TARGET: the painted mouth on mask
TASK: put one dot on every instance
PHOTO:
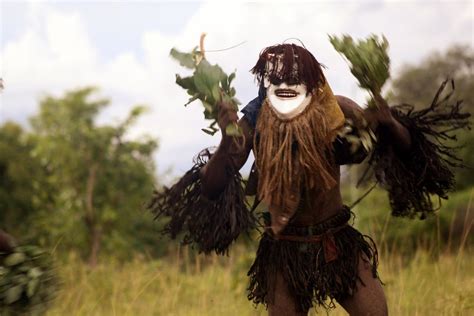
(286, 93)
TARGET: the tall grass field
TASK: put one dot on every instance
(427, 268)
(186, 286)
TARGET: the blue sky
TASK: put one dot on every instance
(123, 46)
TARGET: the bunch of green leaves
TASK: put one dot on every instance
(368, 60)
(209, 84)
(27, 281)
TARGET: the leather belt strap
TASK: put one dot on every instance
(327, 238)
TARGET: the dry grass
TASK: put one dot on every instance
(186, 286)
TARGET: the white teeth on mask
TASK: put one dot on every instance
(283, 93)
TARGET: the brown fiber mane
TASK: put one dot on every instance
(291, 153)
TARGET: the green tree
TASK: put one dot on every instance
(23, 181)
(417, 84)
(102, 178)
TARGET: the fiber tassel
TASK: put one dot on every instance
(210, 225)
(310, 278)
(426, 170)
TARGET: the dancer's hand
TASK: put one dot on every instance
(226, 115)
(379, 115)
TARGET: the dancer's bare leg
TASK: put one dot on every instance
(369, 299)
(284, 304)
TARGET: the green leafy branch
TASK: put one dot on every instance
(209, 84)
(28, 281)
(368, 61)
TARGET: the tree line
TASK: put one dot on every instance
(71, 183)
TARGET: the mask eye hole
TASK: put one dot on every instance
(293, 81)
(275, 80)
(278, 81)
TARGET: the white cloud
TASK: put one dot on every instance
(56, 53)
(68, 41)
(53, 54)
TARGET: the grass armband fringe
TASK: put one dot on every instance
(412, 178)
(209, 225)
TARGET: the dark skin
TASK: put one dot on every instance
(369, 299)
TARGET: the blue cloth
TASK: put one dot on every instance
(252, 109)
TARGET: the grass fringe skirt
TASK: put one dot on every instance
(311, 278)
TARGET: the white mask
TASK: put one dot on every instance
(288, 101)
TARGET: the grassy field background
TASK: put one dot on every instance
(427, 267)
(187, 285)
